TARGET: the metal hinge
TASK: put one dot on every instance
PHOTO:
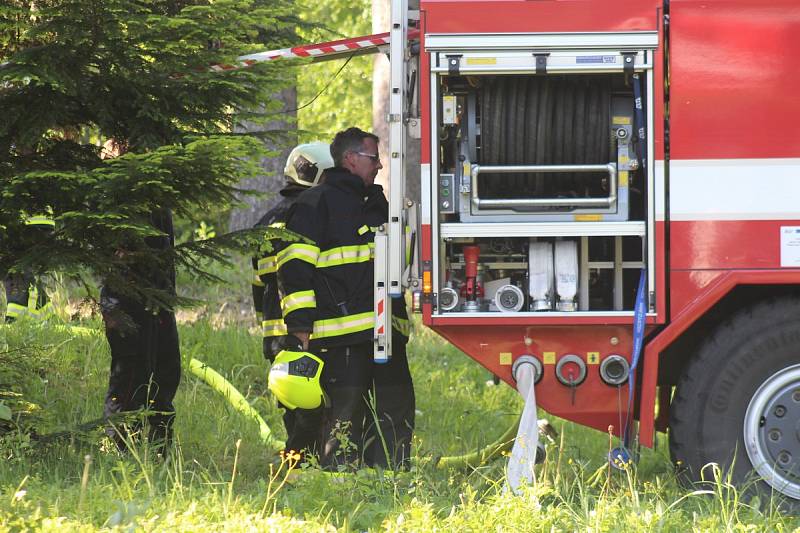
(628, 62)
(541, 62)
(453, 64)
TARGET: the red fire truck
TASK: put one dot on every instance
(589, 163)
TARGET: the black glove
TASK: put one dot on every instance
(286, 342)
(273, 345)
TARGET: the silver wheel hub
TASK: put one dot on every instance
(772, 431)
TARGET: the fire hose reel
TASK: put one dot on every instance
(571, 370)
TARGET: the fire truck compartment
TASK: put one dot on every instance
(542, 178)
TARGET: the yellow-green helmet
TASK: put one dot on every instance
(306, 162)
(294, 379)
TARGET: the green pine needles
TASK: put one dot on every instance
(133, 75)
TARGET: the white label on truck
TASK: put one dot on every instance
(790, 246)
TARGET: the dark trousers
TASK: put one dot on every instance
(303, 430)
(370, 418)
(396, 405)
(145, 369)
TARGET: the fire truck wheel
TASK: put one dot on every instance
(738, 402)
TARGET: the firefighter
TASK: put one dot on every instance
(145, 354)
(387, 440)
(304, 168)
(327, 305)
(25, 293)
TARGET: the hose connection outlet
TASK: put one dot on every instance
(615, 370)
(528, 360)
(448, 299)
(509, 299)
(571, 370)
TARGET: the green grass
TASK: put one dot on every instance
(222, 479)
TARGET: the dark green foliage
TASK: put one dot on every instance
(16, 366)
(76, 73)
(346, 99)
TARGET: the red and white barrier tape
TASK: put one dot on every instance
(328, 50)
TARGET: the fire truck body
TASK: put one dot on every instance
(574, 110)
(542, 202)
(733, 142)
(591, 164)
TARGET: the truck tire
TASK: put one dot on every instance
(737, 403)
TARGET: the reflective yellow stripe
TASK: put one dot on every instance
(18, 311)
(298, 300)
(267, 265)
(40, 312)
(15, 310)
(304, 252)
(363, 229)
(273, 328)
(402, 325)
(33, 298)
(257, 280)
(278, 225)
(334, 327)
(359, 253)
(40, 221)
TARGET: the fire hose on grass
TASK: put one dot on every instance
(239, 403)
(221, 385)
(224, 387)
(218, 383)
(526, 372)
(482, 456)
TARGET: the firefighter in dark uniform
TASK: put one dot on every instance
(25, 293)
(327, 306)
(304, 168)
(145, 354)
(394, 401)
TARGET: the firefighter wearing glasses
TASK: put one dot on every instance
(327, 304)
(304, 168)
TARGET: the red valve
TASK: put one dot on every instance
(570, 371)
(471, 256)
(471, 287)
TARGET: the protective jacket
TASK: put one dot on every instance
(327, 282)
(266, 299)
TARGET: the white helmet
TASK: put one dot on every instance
(306, 163)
